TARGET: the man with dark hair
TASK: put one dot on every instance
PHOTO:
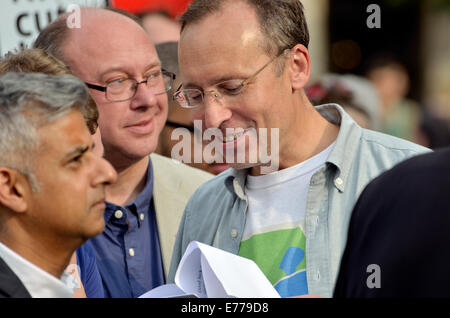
(113, 55)
(52, 186)
(244, 65)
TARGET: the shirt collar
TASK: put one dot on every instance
(38, 282)
(236, 181)
(347, 142)
(143, 200)
(340, 157)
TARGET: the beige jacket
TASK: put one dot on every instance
(173, 185)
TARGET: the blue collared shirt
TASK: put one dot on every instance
(128, 252)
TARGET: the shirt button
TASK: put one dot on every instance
(234, 233)
(141, 216)
(118, 214)
(131, 251)
(338, 182)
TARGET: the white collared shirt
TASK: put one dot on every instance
(38, 282)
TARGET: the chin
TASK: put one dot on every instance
(96, 228)
(142, 152)
(246, 163)
(148, 151)
(138, 149)
(240, 166)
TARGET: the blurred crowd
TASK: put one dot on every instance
(379, 101)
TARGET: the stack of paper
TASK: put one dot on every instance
(208, 272)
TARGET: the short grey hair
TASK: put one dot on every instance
(283, 23)
(29, 101)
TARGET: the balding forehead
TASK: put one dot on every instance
(104, 27)
(107, 41)
(97, 16)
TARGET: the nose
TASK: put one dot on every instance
(144, 97)
(215, 111)
(105, 173)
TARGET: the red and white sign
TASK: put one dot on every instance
(22, 20)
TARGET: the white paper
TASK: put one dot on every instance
(239, 276)
(189, 276)
(164, 291)
(208, 272)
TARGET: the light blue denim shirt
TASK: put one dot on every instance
(216, 213)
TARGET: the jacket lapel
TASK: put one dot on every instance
(168, 208)
(10, 284)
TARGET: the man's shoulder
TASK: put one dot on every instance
(10, 284)
(428, 167)
(385, 144)
(417, 185)
(170, 177)
(168, 166)
(215, 188)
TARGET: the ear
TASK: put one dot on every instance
(14, 189)
(300, 67)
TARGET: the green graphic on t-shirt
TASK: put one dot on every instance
(268, 249)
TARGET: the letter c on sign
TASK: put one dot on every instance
(18, 24)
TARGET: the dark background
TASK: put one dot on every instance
(353, 45)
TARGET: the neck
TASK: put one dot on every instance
(309, 135)
(51, 255)
(130, 182)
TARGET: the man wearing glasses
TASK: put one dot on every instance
(244, 65)
(113, 55)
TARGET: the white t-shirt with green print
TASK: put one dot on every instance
(274, 230)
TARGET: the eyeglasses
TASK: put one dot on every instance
(192, 97)
(125, 88)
